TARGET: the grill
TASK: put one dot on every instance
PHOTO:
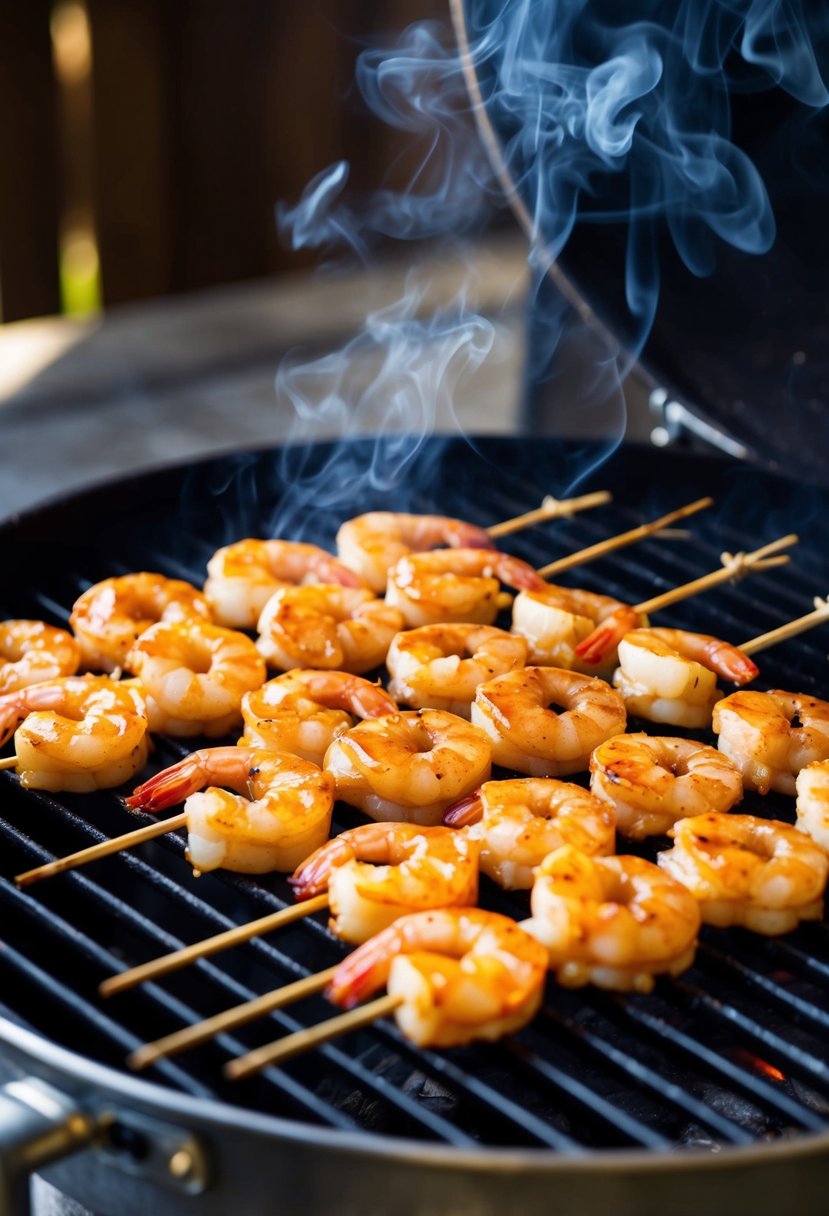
(723, 1069)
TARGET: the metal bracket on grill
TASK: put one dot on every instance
(158, 1152)
(673, 421)
(38, 1125)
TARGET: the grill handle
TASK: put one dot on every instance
(38, 1125)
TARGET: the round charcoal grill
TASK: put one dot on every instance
(713, 1090)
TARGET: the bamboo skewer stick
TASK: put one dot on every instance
(624, 538)
(734, 566)
(314, 1036)
(229, 1019)
(8, 762)
(210, 945)
(104, 849)
(551, 508)
(790, 630)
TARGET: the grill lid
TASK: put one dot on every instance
(741, 325)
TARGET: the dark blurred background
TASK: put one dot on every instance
(145, 143)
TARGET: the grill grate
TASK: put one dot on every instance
(732, 1051)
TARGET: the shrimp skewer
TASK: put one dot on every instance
(813, 802)
(243, 576)
(78, 733)
(32, 652)
(367, 876)
(279, 810)
(518, 823)
(452, 977)
(670, 675)
(759, 873)
(612, 921)
(303, 711)
(558, 622)
(326, 627)
(409, 766)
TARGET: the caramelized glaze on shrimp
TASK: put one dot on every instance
(759, 873)
(79, 733)
(574, 629)
(195, 675)
(243, 576)
(772, 735)
(651, 781)
(409, 766)
(32, 652)
(461, 974)
(347, 628)
(530, 737)
(110, 616)
(813, 802)
(517, 823)
(279, 812)
(304, 711)
(380, 871)
(371, 544)
(455, 585)
(612, 921)
(670, 675)
(441, 666)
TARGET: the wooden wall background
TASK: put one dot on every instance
(204, 113)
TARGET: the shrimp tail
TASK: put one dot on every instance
(11, 716)
(464, 811)
(167, 788)
(732, 664)
(311, 877)
(520, 574)
(364, 971)
(469, 536)
(604, 639)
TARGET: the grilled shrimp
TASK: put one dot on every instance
(529, 737)
(303, 711)
(347, 628)
(32, 652)
(371, 544)
(195, 675)
(455, 585)
(670, 675)
(813, 802)
(743, 870)
(461, 974)
(279, 812)
(441, 666)
(651, 781)
(110, 616)
(517, 823)
(380, 871)
(243, 576)
(611, 921)
(409, 766)
(78, 733)
(772, 735)
(573, 629)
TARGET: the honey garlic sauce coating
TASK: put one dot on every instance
(759, 873)
(772, 735)
(652, 781)
(409, 766)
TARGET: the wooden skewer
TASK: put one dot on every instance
(551, 508)
(303, 1040)
(210, 945)
(8, 762)
(229, 1019)
(791, 630)
(624, 538)
(734, 565)
(104, 849)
